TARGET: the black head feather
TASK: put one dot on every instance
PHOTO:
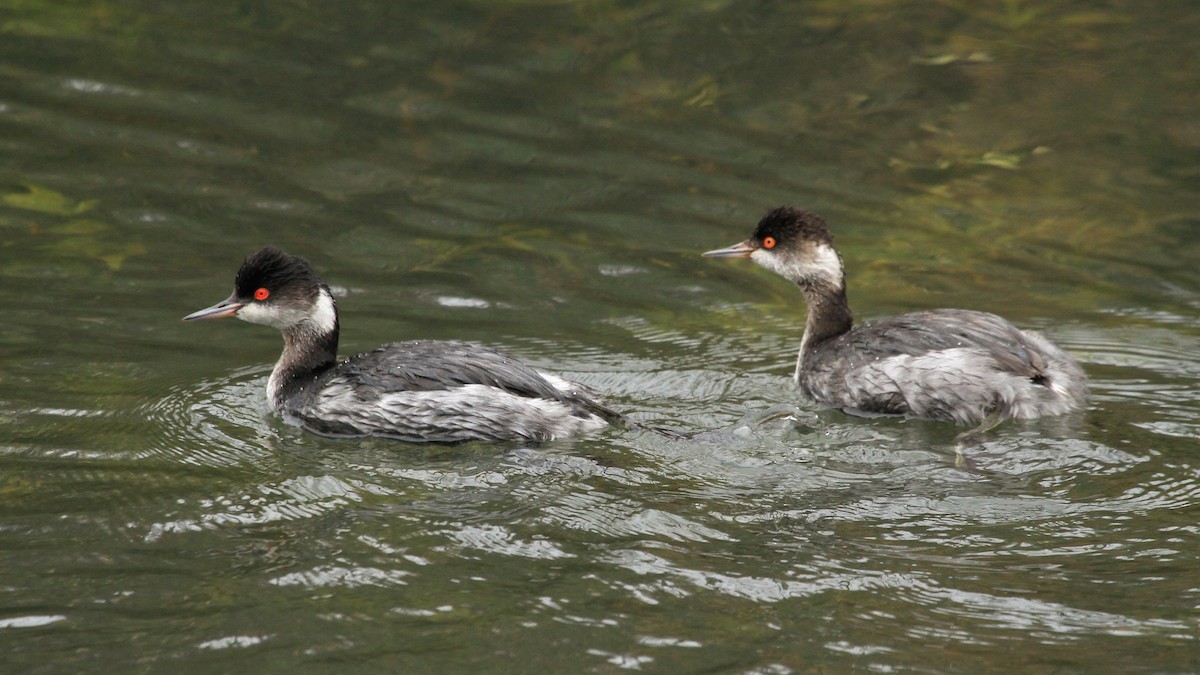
(789, 225)
(278, 272)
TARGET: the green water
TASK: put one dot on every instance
(541, 177)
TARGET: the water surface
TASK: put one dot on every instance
(541, 177)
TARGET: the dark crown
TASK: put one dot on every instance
(273, 269)
(788, 224)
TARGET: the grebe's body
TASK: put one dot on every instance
(966, 367)
(440, 391)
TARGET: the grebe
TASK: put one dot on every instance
(961, 366)
(438, 391)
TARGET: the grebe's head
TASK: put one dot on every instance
(280, 290)
(793, 243)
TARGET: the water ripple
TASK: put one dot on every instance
(290, 500)
(604, 515)
(755, 588)
(501, 541)
(1046, 620)
(343, 576)
(220, 422)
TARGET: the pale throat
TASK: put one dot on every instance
(819, 274)
(309, 343)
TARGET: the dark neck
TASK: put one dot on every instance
(828, 315)
(306, 354)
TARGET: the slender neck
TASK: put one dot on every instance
(828, 316)
(307, 352)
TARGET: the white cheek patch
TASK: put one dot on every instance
(817, 263)
(323, 316)
(267, 314)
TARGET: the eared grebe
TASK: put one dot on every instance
(970, 368)
(414, 391)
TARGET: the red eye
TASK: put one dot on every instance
(262, 294)
(768, 242)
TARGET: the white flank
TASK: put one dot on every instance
(477, 409)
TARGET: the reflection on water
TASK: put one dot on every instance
(541, 178)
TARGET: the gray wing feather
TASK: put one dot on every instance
(438, 367)
(921, 332)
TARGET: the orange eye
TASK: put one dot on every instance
(768, 242)
(262, 294)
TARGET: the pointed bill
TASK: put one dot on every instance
(740, 250)
(227, 307)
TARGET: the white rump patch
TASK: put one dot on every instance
(565, 386)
